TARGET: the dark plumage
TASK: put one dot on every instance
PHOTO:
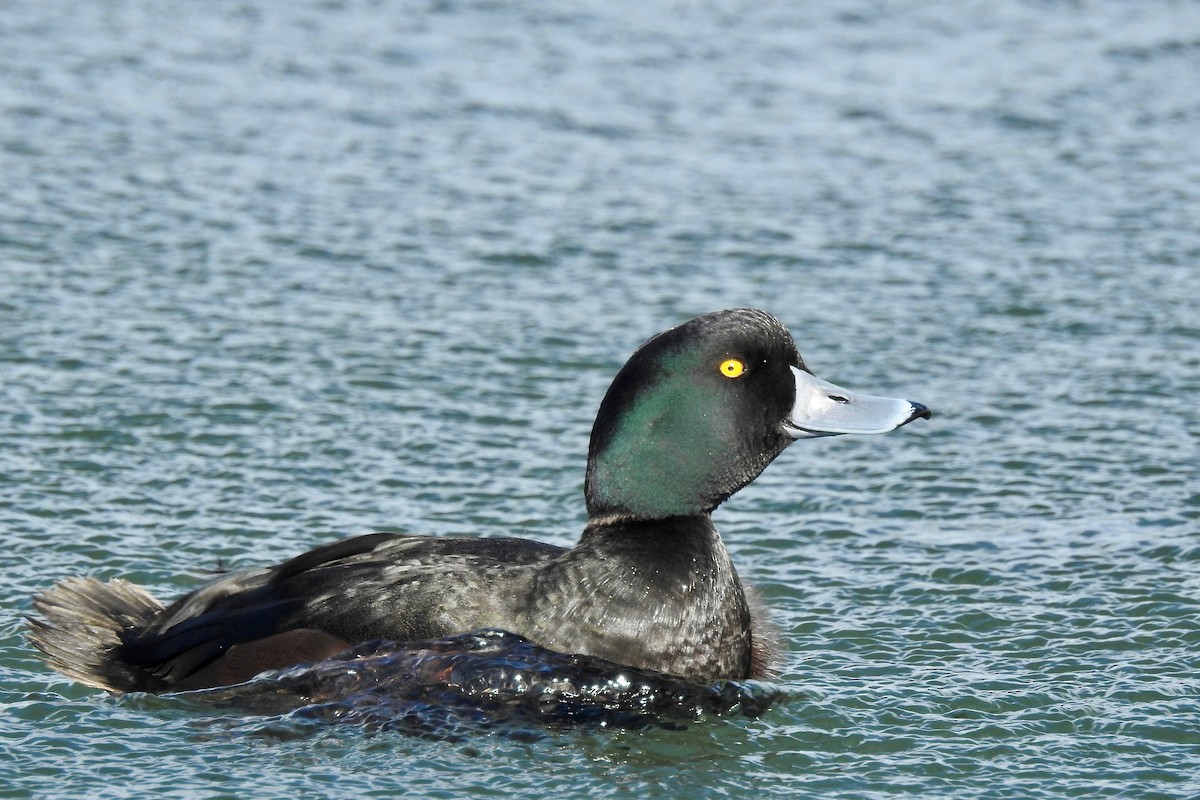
(694, 415)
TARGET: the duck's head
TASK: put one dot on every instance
(700, 410)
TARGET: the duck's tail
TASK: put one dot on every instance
(80, 628)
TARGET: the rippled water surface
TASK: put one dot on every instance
(276, 273)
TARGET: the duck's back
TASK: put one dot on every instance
(379, 586)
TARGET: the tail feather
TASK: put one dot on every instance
(80, 628)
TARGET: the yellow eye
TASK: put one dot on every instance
(732, 368)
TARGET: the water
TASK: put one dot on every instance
(274, 274)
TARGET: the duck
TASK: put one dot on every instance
(695, 414)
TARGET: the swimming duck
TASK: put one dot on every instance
(694, 415)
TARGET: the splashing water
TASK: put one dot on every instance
(488, 679)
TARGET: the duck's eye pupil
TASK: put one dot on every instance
(732, 368)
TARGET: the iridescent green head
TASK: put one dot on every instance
(700, 410)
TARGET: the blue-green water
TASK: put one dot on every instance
(276, 273)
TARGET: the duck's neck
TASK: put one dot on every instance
(680, 548)
(660, 594)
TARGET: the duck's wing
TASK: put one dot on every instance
(378, 586)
